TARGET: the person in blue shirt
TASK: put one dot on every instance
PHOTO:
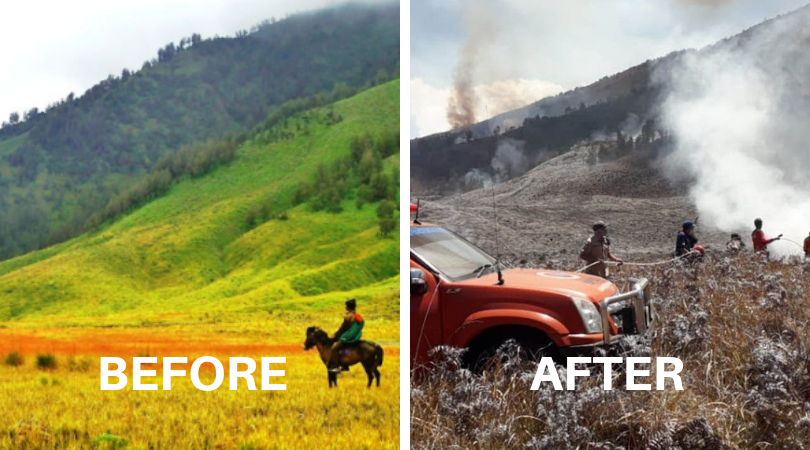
(686, 239)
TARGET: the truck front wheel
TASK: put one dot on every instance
(492, 347)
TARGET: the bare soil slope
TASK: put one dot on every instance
(548, 212)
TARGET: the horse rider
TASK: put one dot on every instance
(597, 250)
(349, 333)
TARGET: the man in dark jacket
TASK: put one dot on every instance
(686, 239)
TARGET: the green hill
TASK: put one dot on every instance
(60, 166)
(193, 251)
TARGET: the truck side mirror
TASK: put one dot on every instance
(418, 284)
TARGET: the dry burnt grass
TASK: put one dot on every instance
(738, 323)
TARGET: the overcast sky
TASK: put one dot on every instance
(51, 48)
(535, 48)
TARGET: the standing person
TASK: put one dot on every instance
(761, 243)
(597, 250)
(807, 248)
(686, 239)
(349, 333)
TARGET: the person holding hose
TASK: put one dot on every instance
(759, 240)
(686, 240)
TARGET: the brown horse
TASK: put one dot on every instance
(369, 354)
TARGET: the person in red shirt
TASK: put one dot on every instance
(807, 248)
(761, 243)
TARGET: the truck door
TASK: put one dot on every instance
(426, 321)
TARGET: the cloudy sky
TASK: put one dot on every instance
(51, 48)
(519, 51)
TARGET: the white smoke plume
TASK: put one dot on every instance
(477, 178)
(739, 115)
(631, 126)
(510, 159)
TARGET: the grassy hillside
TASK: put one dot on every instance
(191, 253)
(60, 166)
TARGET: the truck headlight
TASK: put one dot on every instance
(589, 313)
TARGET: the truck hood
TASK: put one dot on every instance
(540, 280)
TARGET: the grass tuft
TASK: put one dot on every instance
(46, 362)
(15, 359)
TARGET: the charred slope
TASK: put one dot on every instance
(456, 153)
(547, 213)
(553, 125)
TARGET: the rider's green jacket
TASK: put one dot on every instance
(355, 331)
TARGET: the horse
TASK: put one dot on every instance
(369, 354)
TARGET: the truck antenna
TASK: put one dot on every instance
(497, 245)
(416, 217)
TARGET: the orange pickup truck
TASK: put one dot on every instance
(463, 297)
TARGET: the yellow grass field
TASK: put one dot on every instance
(65, 408)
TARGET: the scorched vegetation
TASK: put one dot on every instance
(735, 321)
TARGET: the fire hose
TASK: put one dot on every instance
(793, 242)
(640, 264)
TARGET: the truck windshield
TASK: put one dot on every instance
(451, 255)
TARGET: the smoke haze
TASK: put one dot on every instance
(738, 112)
(708, 3)
(510, 159)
